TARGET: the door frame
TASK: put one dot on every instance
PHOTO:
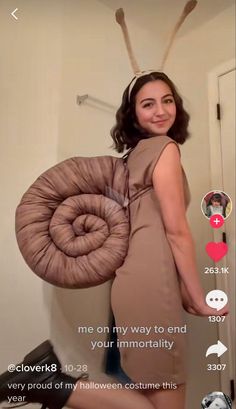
(216, 175)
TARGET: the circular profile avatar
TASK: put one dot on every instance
(216, 400)
(216, 202)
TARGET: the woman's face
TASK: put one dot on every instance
(155, 107)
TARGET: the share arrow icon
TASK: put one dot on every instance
(218, 349)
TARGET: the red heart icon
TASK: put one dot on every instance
(216, 250)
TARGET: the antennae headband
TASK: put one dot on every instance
(120, 18)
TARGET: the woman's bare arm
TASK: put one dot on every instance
(168, 185)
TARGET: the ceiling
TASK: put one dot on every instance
(146, 13)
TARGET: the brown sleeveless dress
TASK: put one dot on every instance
(145, 296)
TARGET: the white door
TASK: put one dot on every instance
(222, 142)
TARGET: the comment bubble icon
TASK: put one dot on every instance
(216, 299)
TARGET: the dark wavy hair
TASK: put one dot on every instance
(127, 132)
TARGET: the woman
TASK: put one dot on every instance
(159, 271)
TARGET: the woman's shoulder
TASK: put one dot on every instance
(143, 158)
(153, 145)
(155, 141)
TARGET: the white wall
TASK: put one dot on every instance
(30, 85)
(51, 54)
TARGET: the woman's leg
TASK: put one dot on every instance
(168, 398)
(83, 398)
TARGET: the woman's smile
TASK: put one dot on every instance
(162, 122)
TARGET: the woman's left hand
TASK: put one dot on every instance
(204, 310)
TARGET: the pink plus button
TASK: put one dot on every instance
(216, 221)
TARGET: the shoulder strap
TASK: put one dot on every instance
(126, 155)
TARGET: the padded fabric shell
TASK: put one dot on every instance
(71, 224)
